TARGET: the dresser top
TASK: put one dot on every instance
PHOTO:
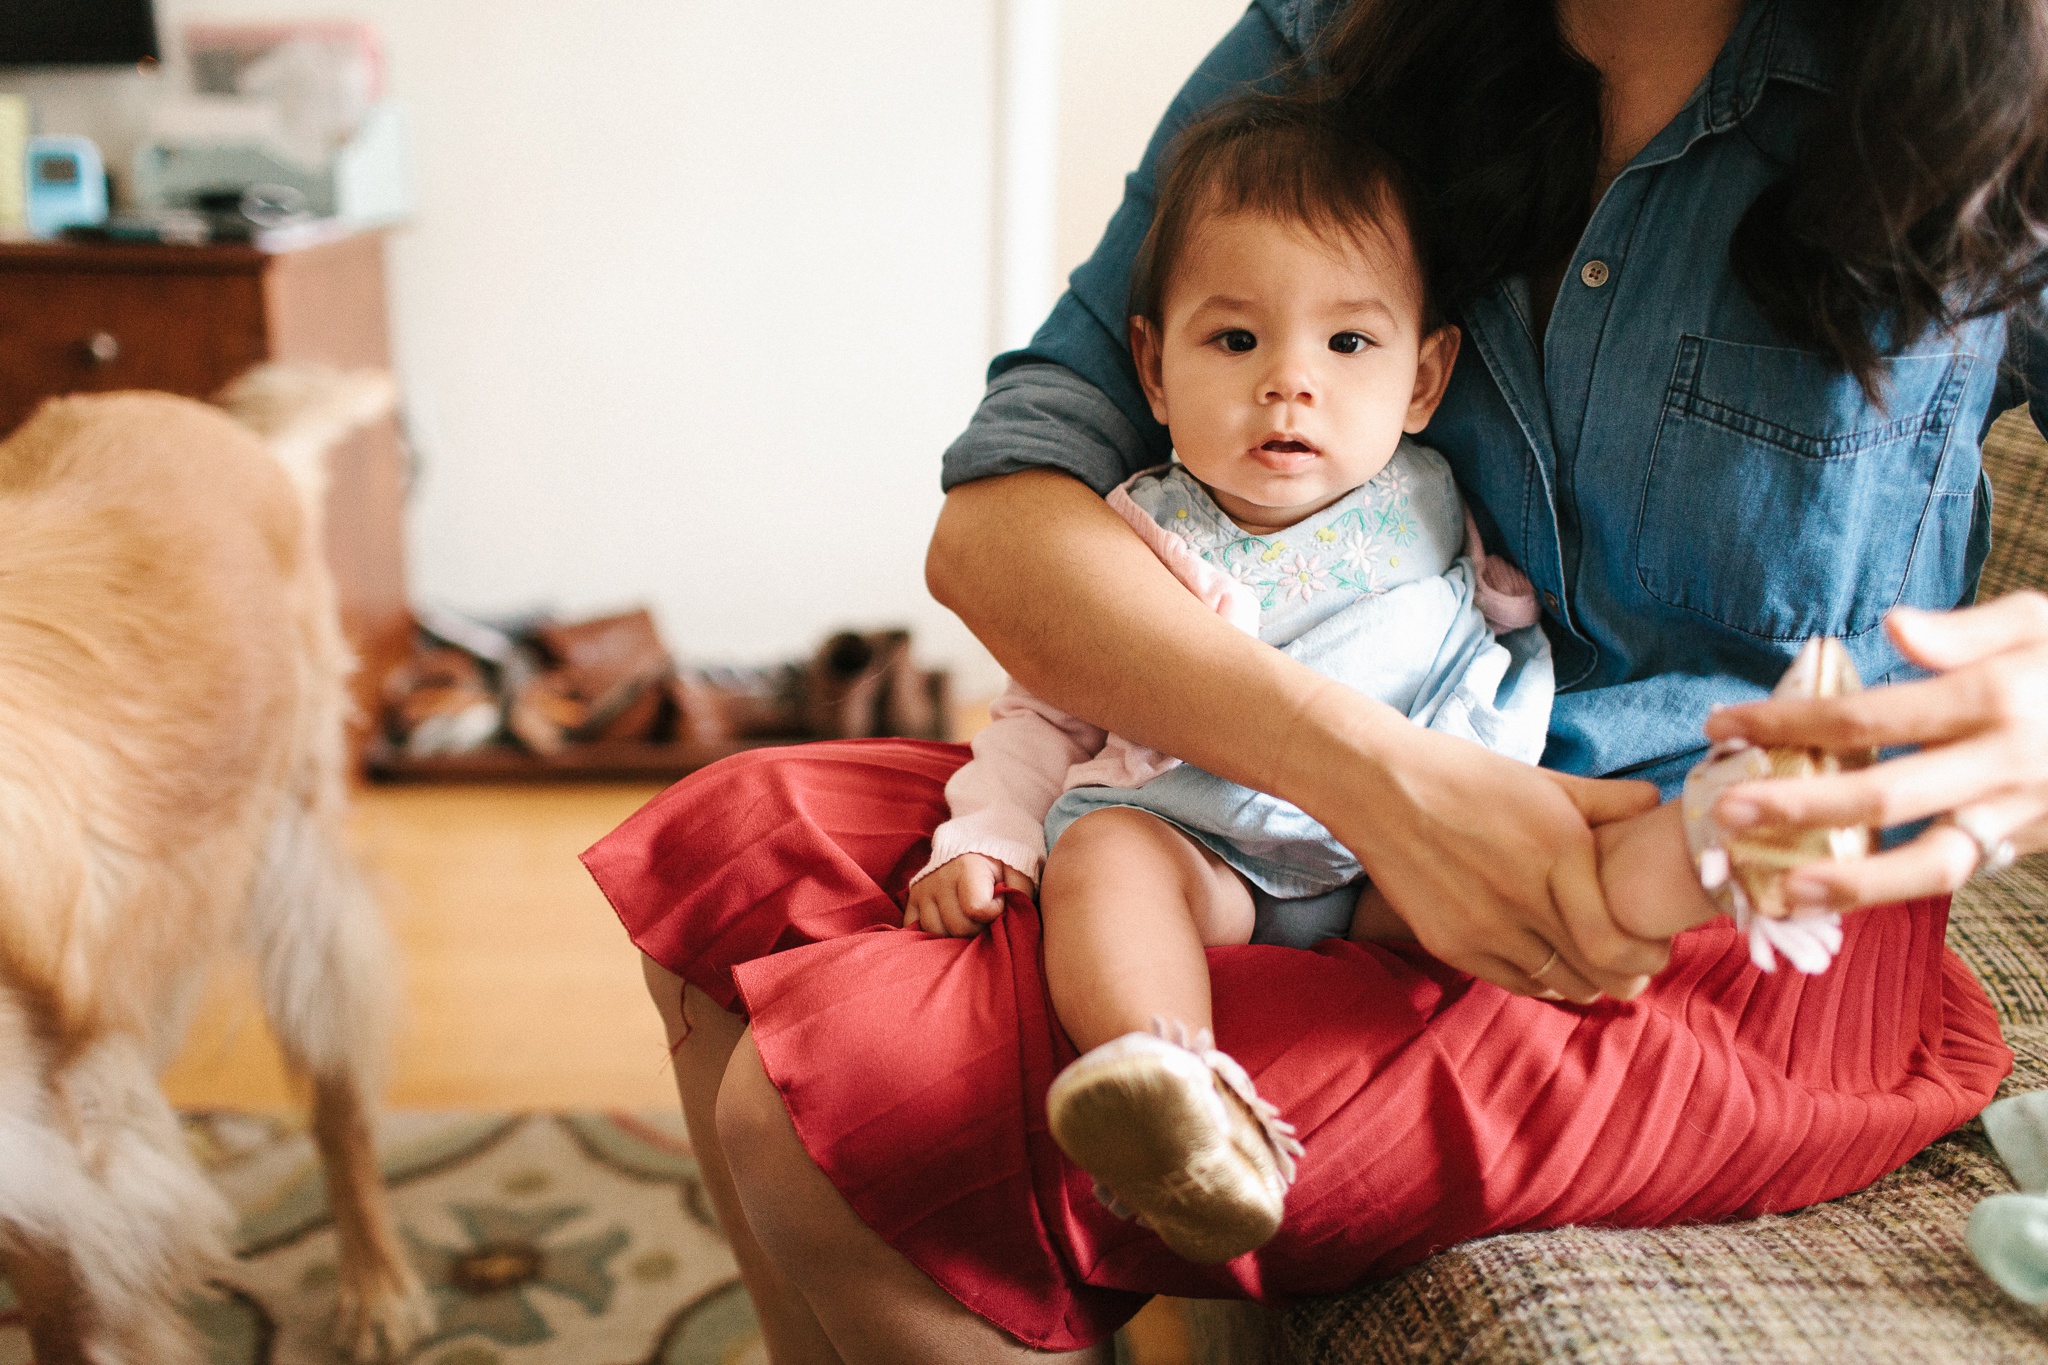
(214, 258)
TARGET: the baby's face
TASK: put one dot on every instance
(1287, 366)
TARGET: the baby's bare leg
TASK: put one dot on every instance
(1647, 875)
(1128, 904)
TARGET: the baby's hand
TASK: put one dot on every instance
(963, 897)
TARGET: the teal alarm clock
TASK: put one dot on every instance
(67, 185)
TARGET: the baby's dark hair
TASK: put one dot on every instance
(1281, 156)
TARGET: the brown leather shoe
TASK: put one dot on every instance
(602, 679)
(437, 702)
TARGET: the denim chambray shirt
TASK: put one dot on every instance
(1691, 496)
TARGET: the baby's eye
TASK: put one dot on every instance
(1237, 340)
(1349, 343)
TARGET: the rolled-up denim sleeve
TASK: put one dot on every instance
(1046, 417)
(1035, 416)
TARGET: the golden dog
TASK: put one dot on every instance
(173, 782)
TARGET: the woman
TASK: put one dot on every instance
(1725, 389)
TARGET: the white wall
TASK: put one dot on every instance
(1122, 63)
(696, 293)
(694, 297)
(1027, 167)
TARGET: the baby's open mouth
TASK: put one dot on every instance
(1289, 447)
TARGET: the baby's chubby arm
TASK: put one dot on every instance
(1021, 761)
(998, 800)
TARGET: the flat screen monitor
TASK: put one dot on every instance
(76, 32)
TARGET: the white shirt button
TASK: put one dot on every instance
(1594, 273)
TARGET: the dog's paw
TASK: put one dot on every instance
(382, 1312)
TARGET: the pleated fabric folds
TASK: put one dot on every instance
(1435, 1108)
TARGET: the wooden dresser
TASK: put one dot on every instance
(89, 317)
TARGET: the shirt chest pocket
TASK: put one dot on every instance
(1779, 501)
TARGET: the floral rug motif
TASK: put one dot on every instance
(544, 1239)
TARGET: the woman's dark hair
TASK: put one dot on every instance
(1290, 158)
(1919, 198)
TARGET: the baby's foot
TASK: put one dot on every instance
(1173, 1132)
(1647, 875)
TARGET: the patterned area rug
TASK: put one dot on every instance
(546, 1239)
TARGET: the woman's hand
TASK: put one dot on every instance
(1491, 863)
(963, 897)
(1983, 728)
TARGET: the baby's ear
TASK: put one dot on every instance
(1147, 354)
(1434, 362)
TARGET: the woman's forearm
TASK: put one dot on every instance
(1081, 613)
(1489, 861)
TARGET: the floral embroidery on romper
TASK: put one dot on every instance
(1348, 553)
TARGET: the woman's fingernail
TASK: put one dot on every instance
(1736, 813)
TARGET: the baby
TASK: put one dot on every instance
(1284, 334)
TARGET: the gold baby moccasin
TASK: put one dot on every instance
(1745, 870)
(1176, 1135)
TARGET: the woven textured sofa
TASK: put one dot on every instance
(1880, 1276)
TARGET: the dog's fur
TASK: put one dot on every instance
(173, 782)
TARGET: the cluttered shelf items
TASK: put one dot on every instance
(605, 697)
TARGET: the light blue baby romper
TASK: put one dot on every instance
(1374, 592)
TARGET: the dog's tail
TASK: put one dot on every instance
(327, 967)
(303, 411)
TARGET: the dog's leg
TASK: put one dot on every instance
(382, 1307)
(327, 971)
(51, 1302)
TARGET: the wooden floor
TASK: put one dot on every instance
(523, 992)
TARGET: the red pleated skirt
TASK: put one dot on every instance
(1435, 1108)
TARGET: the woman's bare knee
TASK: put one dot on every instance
(750, 1115)
(787, 1200)
(699, 1033)
(665, 988)
(766, 1158)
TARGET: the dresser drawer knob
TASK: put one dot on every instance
(102, 348)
